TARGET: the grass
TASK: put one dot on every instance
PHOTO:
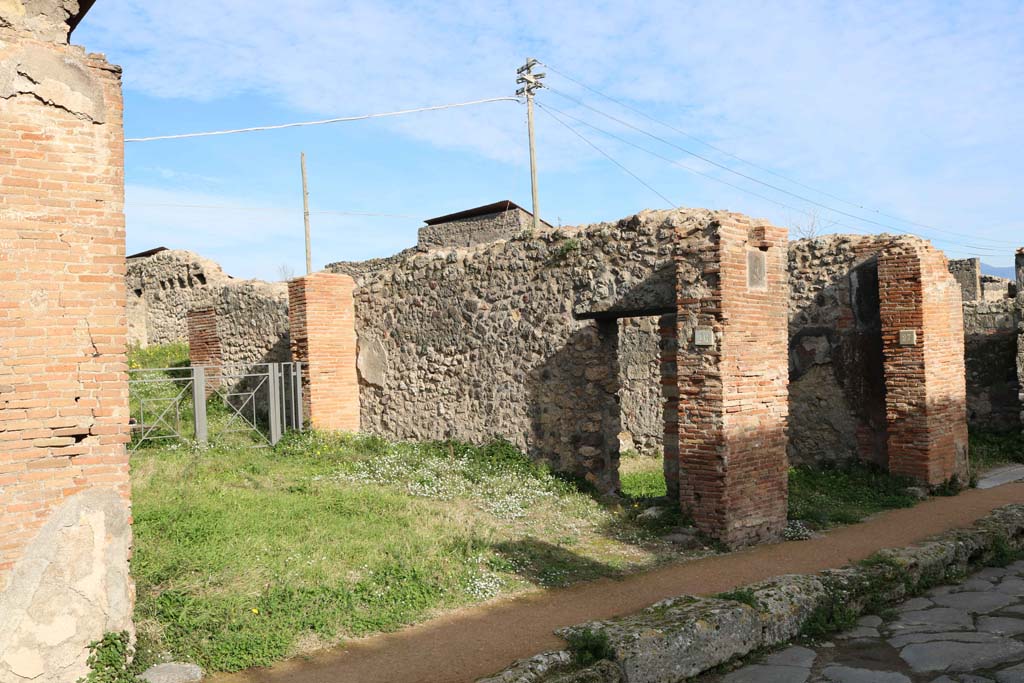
(844, 495)
(990, 449)
(819, 497)
(245, 556)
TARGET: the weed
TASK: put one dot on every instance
(823, 497)
(589, 646)
(1003, 552)
(110, 660)
(990, 448)
(744, 595)
(951, 487)
(563, 250)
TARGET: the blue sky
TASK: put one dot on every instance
(912, 109)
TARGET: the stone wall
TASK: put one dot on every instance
(968, 273)
(465, 232)
(491, 340)
(65, 536)
(549, 340)
(163, 288)
(990, 352)
(640, 392)
(876, 355)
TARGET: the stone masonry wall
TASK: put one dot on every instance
(489, 340)
(465, 232)
(64, 488)
(640, 392)
(968, 273)
(990, 351)
(855, 390)
(525, 339)
(164, 287)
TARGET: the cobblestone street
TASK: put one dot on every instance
(969, 633)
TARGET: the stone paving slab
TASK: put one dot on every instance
(967, 633)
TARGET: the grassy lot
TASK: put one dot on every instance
(244, 555)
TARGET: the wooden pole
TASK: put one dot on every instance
(305, 215)
(533, 162)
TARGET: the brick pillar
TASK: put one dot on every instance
(321, 314)
(64, 488)
(204, 348)
(923, 346)
(669, 347)
(732, 296)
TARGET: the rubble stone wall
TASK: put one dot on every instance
(519, 339)
(465, 232)
(990, 352)
(65, 533)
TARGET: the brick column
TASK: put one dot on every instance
(204, 348)
(733, 378)
(923, 345)
(321, 314)
(669, 347)
(64, 488)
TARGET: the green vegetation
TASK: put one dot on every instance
(641, 476)
(110, 660)
(990, 449)
(819, 497)
(824, 497)
(245, 556)
(173, 355)
(589, 646)
(744, 595)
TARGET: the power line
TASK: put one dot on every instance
(606, 155)
(756, 165)
(549, 109)
(341, 119)
(744, 175)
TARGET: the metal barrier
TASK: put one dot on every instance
(204, 404)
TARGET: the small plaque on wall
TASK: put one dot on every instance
(908, 337)
(703, 336)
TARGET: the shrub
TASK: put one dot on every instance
(589, 646)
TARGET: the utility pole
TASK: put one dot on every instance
(305, 215)
(531, 82)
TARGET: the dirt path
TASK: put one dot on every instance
(470, 643)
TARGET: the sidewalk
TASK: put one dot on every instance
(465, 645)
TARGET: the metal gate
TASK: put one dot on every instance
(215, 404)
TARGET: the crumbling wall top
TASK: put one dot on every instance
(48, 20)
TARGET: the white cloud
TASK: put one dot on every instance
(917, 107)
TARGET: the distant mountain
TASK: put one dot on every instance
(998, 271)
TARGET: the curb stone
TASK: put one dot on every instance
(681, 637)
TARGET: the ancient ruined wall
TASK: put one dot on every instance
(465, 232)
(487, 341)
(968, 273)
(990, 352)
(837, 387)
(640, 391)
(64, 487)
(856, 389)
(162, 288)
